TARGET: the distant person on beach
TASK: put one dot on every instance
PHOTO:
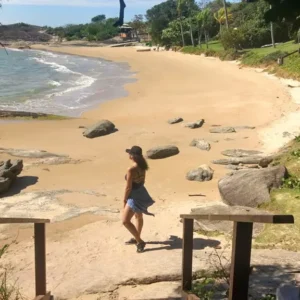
(136, 198)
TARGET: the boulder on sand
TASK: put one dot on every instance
(194, 125)
(240, 153)
(162, 152)
(222, 130)
(103, 127)
(175, 120)
(8, 173)
(255, 160)
(201, 144)
(251, 187)
(225, 227)
(202, 173)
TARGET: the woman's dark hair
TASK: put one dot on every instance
(141, 162)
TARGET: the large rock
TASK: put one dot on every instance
(103, 127)
(251, 187)
(222, 130)
(201, 144)
(175, 120)
(8, 173)
(194, 125)
(162, 152)
(255, 160)
(202, 173)
(240, 153)
(225, 227)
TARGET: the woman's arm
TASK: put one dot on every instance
(128, 185)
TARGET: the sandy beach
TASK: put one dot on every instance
(86, 198)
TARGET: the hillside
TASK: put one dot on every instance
(25, 32)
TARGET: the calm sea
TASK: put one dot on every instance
(37, 81)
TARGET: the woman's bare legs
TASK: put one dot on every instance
(127, 216)
(139, 223)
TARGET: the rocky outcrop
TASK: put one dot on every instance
(193, 125)
(162, 152)
(175, 120)
(29, 153)
(240, 153)
(8, 173)
(251, 187)
(20, 45)
(102, 128)
(255, 160)
(202, 173)
(201, 144)
(222, 130)
(225, 227)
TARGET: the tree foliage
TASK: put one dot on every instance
(98, 30)
(288, 10)
(99, 18)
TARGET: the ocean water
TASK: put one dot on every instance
(46, 82)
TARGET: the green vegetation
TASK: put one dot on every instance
(285, 201)
(8, 290)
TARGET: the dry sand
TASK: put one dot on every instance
(84, 198)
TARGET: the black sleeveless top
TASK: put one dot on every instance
(138, 180)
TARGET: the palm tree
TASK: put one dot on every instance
(226, 13)
(220, 16)
(189, 4)
(180, 4)
(203, 18)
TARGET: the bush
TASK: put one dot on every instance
(291, 183)
(210, 52)
(230, 54)
(192, 50)
(232, 39)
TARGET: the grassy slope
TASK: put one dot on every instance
(258, 57)
(284, 201)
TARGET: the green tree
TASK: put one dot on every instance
(222, 18)
(99, 18)
(180, 5)
(159, 17)
(204, 19)
(171, 36)
(288, 10)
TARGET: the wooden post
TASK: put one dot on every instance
(40, 259)
(240, 261)
(187, 254)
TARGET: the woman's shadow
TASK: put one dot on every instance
(175, 242)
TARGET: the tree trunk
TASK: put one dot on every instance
(226, 13)
(206, 39)
(272, 32)
(181, 29)
(191, 32)
(200, 36)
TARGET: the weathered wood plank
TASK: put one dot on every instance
(187, 254)
(40, 259)
(22, 221)
(274, 219)
(240, 260)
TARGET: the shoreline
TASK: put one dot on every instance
(84, 196)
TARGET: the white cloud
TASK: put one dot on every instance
(84, 3)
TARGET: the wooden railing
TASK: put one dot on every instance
(241, 249)
(39, 250)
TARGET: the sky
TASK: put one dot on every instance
(62, 12)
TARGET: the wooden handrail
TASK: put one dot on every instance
(241, 248)
(39, 250)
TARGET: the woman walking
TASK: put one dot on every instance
(136, 198)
